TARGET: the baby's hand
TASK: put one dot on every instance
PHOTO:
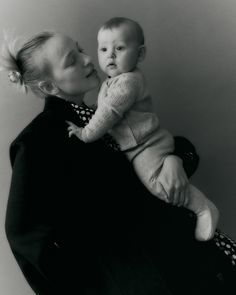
(74, 130)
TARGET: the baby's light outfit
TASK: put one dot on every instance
(124, 109)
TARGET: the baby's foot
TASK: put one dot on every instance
(207, 220)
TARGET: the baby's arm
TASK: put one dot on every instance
(101, 122)
(120, 98)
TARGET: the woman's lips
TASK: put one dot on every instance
(91, 73)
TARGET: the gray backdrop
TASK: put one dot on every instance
(191, 70)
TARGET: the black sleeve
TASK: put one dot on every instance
(187, 152)
(30, 216)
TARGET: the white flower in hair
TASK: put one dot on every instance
(14, 76)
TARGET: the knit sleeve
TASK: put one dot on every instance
(120, 96)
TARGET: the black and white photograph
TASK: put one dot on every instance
(118, 147)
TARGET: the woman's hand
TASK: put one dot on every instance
(173, 180)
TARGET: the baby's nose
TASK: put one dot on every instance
(112, 54)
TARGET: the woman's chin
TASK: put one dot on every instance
(96, 82)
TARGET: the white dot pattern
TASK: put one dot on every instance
(227, 245)
(85, 114)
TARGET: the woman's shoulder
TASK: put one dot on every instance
(33, 128)
(45, 131)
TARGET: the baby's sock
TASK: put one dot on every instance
(206, 212)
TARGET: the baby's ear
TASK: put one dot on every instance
(48, 88)
(142, 53)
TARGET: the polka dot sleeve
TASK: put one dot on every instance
(227, 245)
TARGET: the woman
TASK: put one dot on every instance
(78, 220)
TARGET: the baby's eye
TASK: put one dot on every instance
(119, 48)
(103, 49)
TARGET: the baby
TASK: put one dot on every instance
(124, 109)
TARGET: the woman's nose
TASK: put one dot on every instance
(87, 60)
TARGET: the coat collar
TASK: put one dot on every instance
(61, 108)
(54, 102)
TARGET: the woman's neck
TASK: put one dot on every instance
(74, 99)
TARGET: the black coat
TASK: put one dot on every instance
(80, 222)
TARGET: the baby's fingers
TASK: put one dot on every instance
(71, 128)
(71, 133)
(71, 124)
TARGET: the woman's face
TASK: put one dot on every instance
(71, 70)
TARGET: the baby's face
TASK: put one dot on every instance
(118, 50)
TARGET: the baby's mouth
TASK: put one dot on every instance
(111, 65)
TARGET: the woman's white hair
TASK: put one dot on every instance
(9, 49)
(16, 58)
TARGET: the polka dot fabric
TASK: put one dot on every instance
(85, 114)
(225, 244)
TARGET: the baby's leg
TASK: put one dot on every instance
(149, 159)
(206, 212)
(147, 167)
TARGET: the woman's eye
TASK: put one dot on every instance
(71, 62)
(81, 50)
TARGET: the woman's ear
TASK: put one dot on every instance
(142, 53)
(48, 88)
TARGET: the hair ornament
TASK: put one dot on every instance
(14, 76)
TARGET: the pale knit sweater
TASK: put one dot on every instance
(124, 109)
